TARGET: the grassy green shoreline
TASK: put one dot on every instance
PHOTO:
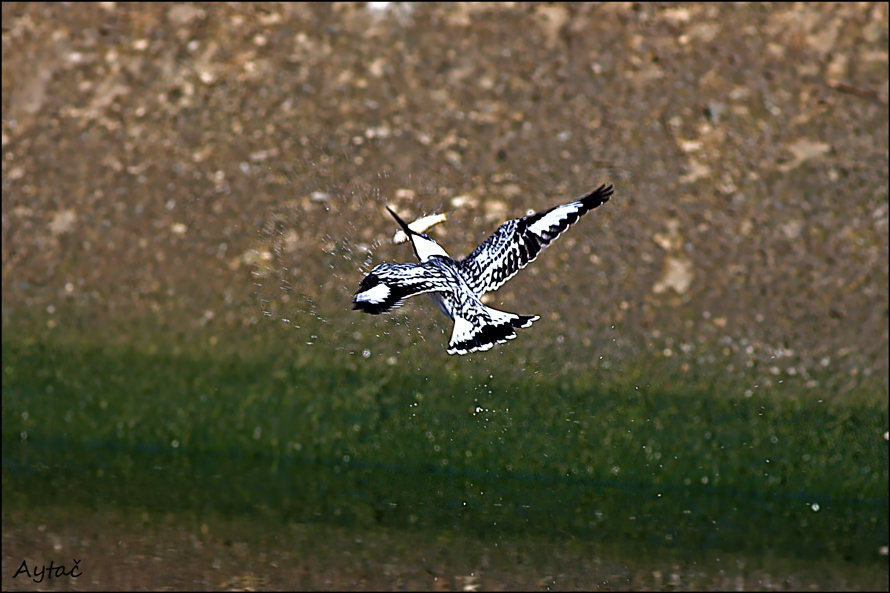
(361, 447)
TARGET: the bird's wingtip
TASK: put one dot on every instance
(600, 195)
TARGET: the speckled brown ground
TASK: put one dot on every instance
(160, 161)
(119, 553)
(145, 149)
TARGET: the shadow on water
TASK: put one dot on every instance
(288, 489)
(351, 447)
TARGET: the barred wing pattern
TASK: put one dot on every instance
(388, 285)
(518, 242)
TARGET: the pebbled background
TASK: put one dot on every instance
(177, 170)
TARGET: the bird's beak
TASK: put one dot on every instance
(401, 222)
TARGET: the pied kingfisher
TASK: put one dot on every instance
(457, 286)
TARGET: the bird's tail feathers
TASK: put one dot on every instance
(481, 330)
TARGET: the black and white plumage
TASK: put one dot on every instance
(457, 286)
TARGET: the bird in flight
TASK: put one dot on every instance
(456, 286)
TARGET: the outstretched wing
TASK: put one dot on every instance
(518, 242)
(388, 285)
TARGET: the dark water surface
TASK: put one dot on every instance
(645, 477)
